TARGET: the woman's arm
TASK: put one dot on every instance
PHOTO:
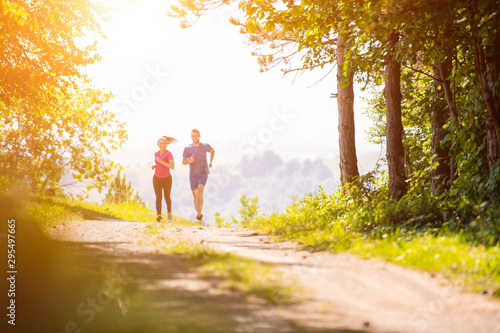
(170, 164)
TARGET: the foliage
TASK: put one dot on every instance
(221, 222)
(461, 34)
(249, 208)
(475, 192)
(42, 141)
(248, 211)
(52, 122)
(41, 46)
(473, 205)
(121, 192)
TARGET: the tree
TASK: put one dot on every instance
(467, 29)
(484, 25)
(71, 134)
(121, 192)
(52, 122)
(372, 33)
(442, 174)
(314, 32)
(39, 46)
(345, 97)
(431, 32)
(394, 128)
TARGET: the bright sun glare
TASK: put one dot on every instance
(168, 80)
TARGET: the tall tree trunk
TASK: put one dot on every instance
(394, 126)
(486, 84)
(492, 146)
(492, 124)
(443, 72)
(441, 175)
(345, 102)
(487, 69)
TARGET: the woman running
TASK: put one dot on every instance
(162, 179)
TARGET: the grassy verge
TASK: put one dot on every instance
(50, 211)
(474, 267)
(449, 254)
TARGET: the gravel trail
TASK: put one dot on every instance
(341, 293)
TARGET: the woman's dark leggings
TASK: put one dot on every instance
(165, 185)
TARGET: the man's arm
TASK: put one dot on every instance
(212, 154)
(185, 156)
(186, 160)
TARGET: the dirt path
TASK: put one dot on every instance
(342, 293)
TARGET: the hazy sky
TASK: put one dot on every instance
(167, 80)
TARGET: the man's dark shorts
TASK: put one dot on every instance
(198, 179)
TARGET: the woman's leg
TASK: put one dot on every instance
(157, 185)
(167, 188)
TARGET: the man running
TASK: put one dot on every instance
(196, 156)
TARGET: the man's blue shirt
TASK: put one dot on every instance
(200, 165)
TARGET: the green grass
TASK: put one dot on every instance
(474, 267)
(238, 274)
(449, 254)
(309, 232)
(51, 211)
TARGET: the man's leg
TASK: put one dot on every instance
(195, 199)
(199, 200)
(193, 182)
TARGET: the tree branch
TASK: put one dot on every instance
(424, 73)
